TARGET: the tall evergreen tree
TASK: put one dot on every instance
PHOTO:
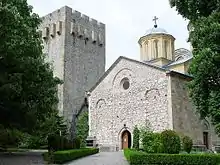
(82, 127)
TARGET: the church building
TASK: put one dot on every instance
(150, 93)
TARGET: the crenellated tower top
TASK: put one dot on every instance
(66, 20)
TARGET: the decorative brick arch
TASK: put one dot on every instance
(100, 103)
(206, 125)
(128, 75)
(151, 90)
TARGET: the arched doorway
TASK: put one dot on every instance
(206, 136)
(126, 139)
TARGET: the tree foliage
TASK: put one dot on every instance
(28, 90)
(136, 138)
(151, 142)
(82, 128)
(194, 9)
(205, 87)
(171, 142)
(204, 17)
(187, 144)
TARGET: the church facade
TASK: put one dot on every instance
(150, 93)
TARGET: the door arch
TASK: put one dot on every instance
(126, 139)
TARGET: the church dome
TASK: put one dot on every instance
(156, 30)
(157, 44)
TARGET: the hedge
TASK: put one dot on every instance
(60, 157)
(137, 158)
(57, 143)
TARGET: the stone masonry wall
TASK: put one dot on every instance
(113, 109)
(77, 52)
(53, 46)
(185, 119)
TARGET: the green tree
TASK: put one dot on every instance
(194, 9)
(187, 144)
(151, 142)
(82, 128)
(53, 125)
(171, 142)
(204, 36)
(136, 138)
(28, 90)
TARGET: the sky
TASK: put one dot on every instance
(126, 21)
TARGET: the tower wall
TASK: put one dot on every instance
(53, 46)
(78, 56)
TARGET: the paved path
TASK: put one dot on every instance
(22, 158)
(102, 158)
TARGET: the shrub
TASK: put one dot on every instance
(34, 142)
(129, 152)
(28, 141)
(9, 137)
(60, 157)
(53, 142)
(136, 138)
(137, 158)
(77, 143)
(56, 143)
(187, 144)
(151, 142)
(171, 142)
(82, 127)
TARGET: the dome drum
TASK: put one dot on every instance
(157, 43)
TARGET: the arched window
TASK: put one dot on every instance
(166, 48)
(146, 50)
(205, 125)
(155, 48)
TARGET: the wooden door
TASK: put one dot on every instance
(205, 139)
(125, 140)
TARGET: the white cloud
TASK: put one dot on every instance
(126, 21)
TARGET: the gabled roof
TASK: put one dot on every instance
(138, 62)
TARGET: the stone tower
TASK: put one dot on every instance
(157, 46)
(75, 45)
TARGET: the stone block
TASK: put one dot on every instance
(59, 27)
(80, 30)
(87, 34)
(45, 33)
(73, 29)
(101, 39)
(52, 30)
(94, 36)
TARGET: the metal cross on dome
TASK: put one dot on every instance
(155, 21)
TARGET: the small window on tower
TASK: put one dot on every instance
(166, 48)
